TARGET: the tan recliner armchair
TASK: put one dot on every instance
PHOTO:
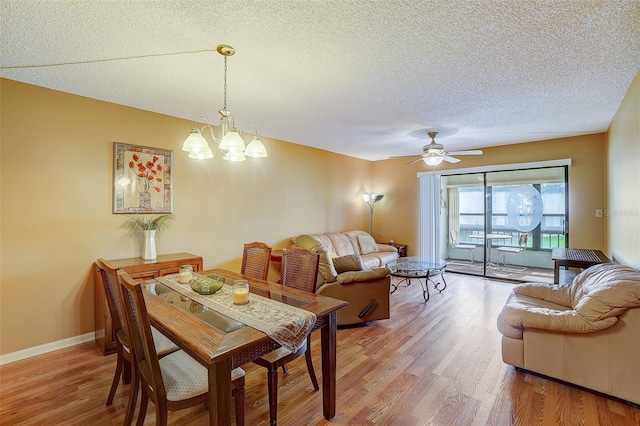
(366, 289)
(586, 333)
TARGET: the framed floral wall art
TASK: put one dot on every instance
(142, 179)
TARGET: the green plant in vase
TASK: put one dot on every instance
(148, 226)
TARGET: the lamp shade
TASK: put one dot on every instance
(232, 141)
(255, 148)
(195, 142)
(374, 198)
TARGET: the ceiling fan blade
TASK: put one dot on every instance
(451, 159)
(470, 152)
(405, 156)
(414, 161)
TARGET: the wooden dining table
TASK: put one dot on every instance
(221, 346)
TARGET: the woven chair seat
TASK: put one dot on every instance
(163, 344)
(184, 377)
(281, 352)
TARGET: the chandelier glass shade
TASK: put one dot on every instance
(230, 140)
(201, 155)
(234, 156)
(195, 142)
(255, 148)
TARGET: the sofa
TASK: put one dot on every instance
(352, 268)
(586, 333)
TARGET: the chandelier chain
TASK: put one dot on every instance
(224, 106)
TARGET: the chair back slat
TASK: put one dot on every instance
(300, 269)
(139, 327)
(114, 299)
(255, 260)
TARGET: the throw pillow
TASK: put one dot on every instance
(367, 244)
(350, 262)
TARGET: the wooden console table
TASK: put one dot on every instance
(576, 258)
(141, 270)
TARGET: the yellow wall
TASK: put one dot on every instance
(56, 199)
(623, 172)
(397, 215)
(56, 215)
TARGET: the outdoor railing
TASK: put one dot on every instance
(547, 236)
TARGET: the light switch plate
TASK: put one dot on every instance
(598, 212)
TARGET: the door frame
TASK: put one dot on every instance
(429, 231)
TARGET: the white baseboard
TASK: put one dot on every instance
(47, 347)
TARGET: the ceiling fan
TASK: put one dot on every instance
(434, 153)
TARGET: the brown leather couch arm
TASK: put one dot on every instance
(368, 300)
(368, 275)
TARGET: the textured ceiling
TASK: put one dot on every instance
(361, 78)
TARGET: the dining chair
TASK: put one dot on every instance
(175, 381)
(456, 244)
(255, 260)
(125, 365)
(299, 270)
(522, 246)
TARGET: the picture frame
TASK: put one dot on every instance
(142, 179)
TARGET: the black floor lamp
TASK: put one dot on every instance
(371, 200)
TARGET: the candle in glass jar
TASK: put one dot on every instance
(186, 274)
(240, 292)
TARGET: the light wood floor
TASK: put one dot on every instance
(431, 364)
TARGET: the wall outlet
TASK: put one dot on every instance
(598, 212)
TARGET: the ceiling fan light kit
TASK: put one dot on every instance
(433, 154)
(433, 159)
(230, 140)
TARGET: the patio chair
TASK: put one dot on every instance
(456, 245)
(522, 246)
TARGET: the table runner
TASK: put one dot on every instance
(287, 325)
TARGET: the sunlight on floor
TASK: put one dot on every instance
(508, 272)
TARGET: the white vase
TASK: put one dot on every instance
(149, 250)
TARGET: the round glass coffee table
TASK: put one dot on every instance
(423, 270)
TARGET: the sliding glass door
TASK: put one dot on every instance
(504, 224)
(464, 222)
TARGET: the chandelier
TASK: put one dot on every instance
(230, 140)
